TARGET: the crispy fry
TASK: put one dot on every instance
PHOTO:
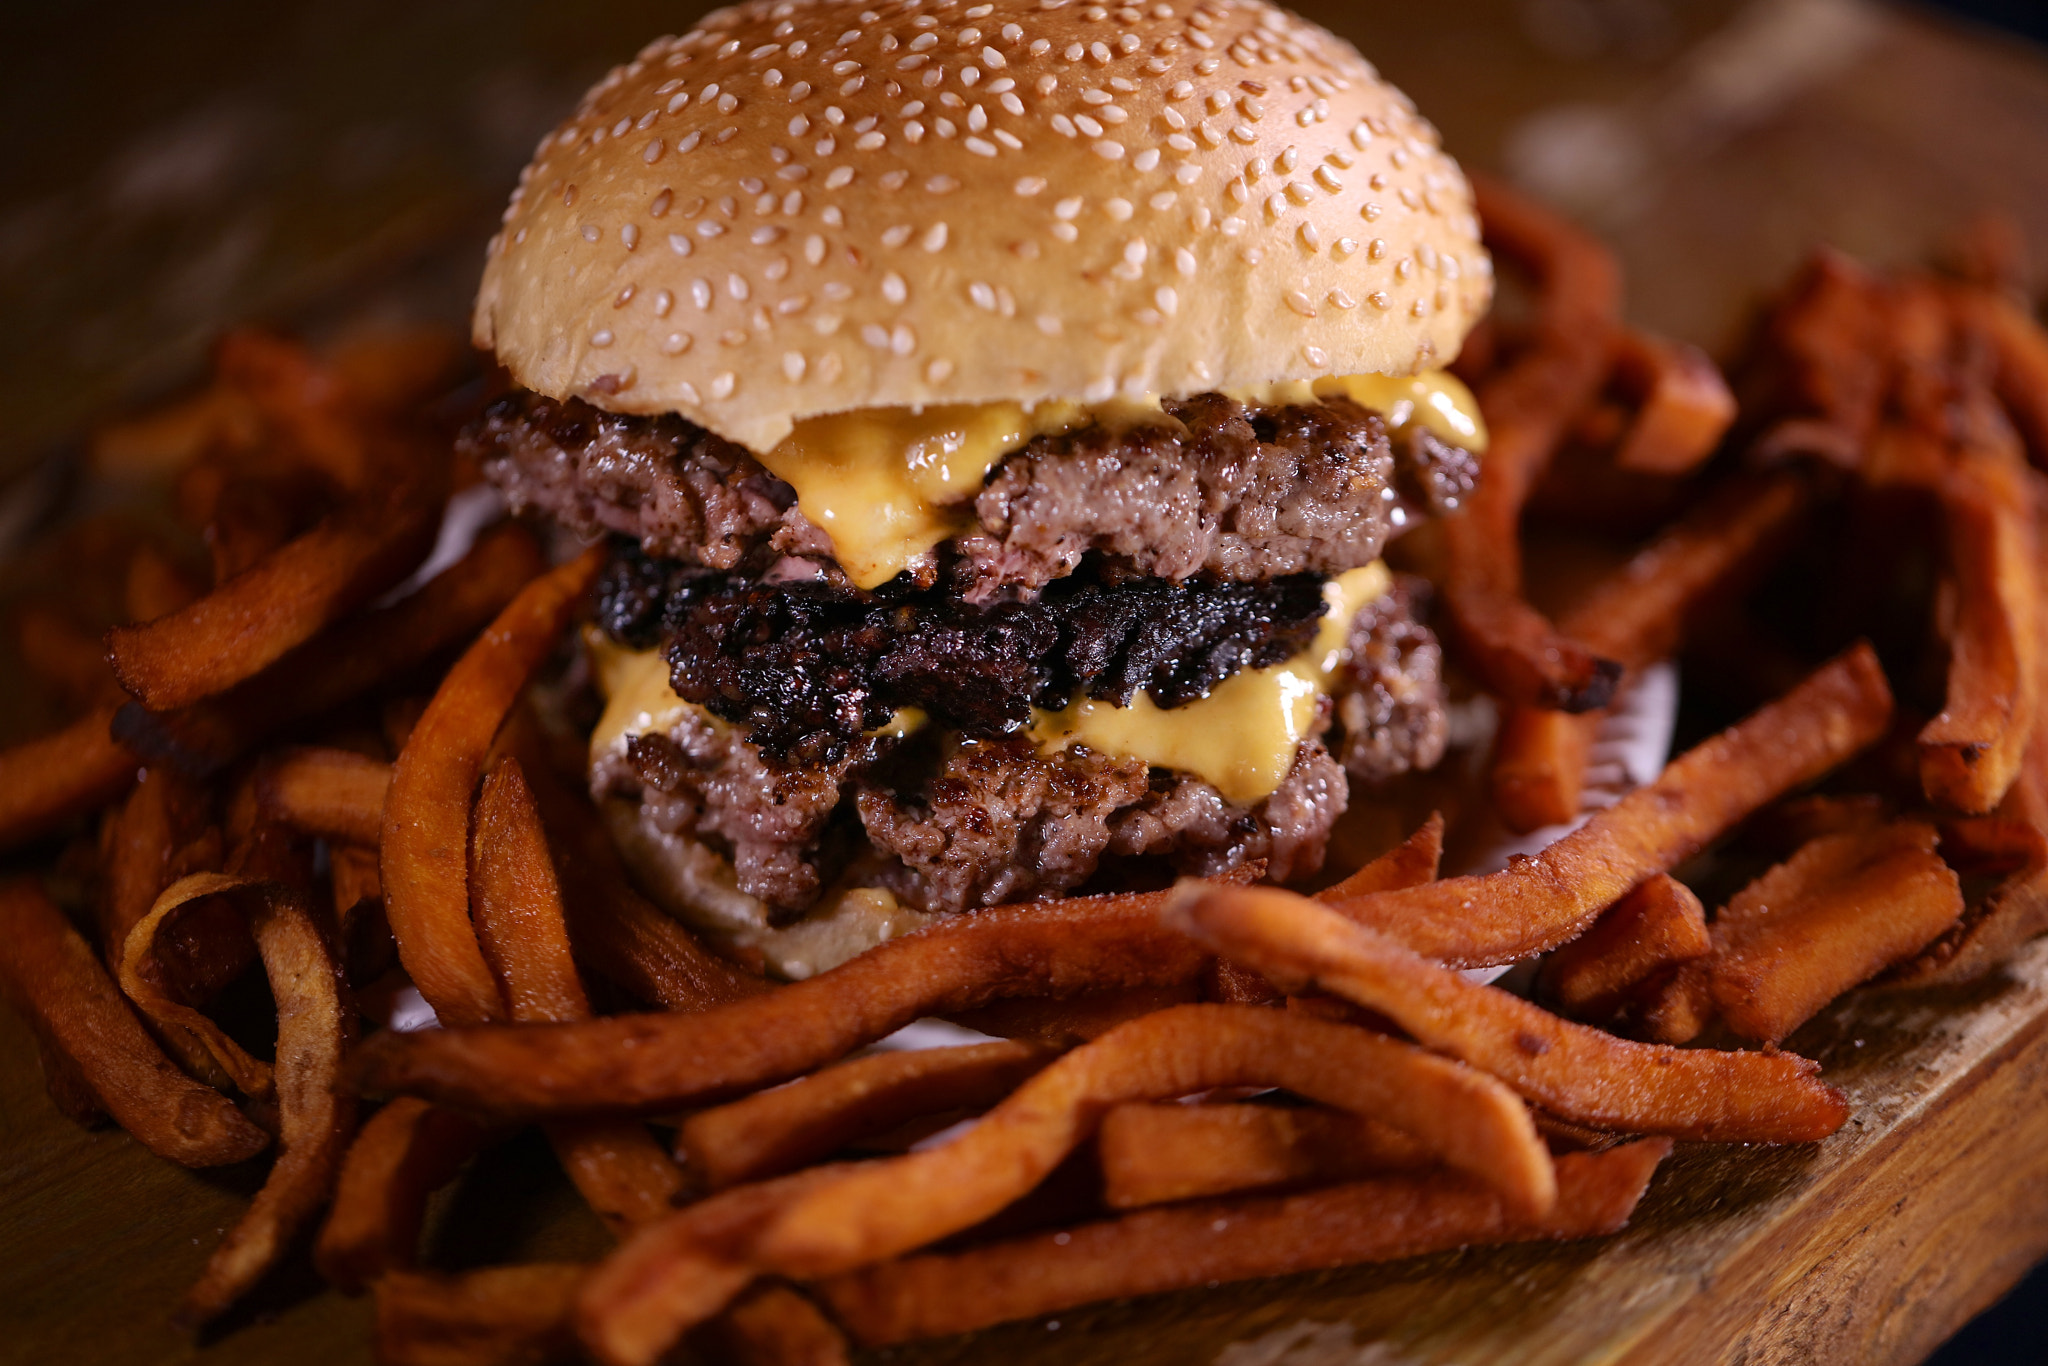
(334, 793)
(775, 1325)
(1841, 910)
(617, 933)
(1635, 616)
(616, 1164)
(2020, 350)
(1576, 1073)
(1824, 364)
(2014, 911)
(283, 599)
(1970, 753)
(147, 844)
(1685, 410)
(45, 783)
(654, 1063)
(496, 1316)
(343, 662)
(1543, 901)
(660, 1282)
(1646, 934)
(164, 439)
(403, 1154)
(1222, 1240)
(195, 1034)
(426, 816)
(1410, 863)
(315, 1022)
(57, 983)
(771, 1132)
(1156, 1154)
(1528, 408)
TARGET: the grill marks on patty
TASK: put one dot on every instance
(1213, 487)
(808, 667)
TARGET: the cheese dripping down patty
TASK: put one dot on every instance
(888, 484)
(1240, 739)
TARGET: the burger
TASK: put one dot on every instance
(998, 413)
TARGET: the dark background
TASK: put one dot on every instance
(172, 169)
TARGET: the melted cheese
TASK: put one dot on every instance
(1241, 738)
(639, 698)
(888, 484)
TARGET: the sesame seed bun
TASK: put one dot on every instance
(797, 209)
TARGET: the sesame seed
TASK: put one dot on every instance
(590, 232)
(1378, 298)
(793, 365)
(1066, 232)
(1376, 249)
(601, 337)
(1108, 149)
(1299, 302)
(1370, 212)
(700, 294)
(1167, 300)
(1118, 208)
(676, 343)
(1419, 309)
(893, 288)
(625, 297)
(1030, 185)
(710, 227)
(875, 335)
(1088, 125)
(1310, 238)
(1146, 160)
(1187, 173)
(1339, 299)
(983, 295)
(981, 147)
(660, 205)
(840, 178)
(723, 384)
(934, 238)
(1318, 358)
(1345, 246)
(1242, 132)
(896, 236)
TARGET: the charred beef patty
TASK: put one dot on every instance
(950, 822)
(806, 668)
(1217, 487)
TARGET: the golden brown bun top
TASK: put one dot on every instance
(800, 208)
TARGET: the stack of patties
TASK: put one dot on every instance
(998, 412)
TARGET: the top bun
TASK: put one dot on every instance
(802, 208)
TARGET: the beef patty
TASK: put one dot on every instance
(950, 823)
(1214, 487)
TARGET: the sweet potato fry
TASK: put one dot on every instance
(644, 1295)
(426, 816)
(654, 1063)
(1529, 407)
(615, 1163)
(775, 1325)
(342, 663)
(334, 793)
(617, 933)
(315, 1022)
(146, 845)
(771, 1132)
(1156, 1154)
(403, 1154)
(45, 783)
(1545, 900)
(1684, 409)
(495, 1316)
(1647, 933)
(57, 983)
(252, 619)
(195, 1034)
(1576, 1073)
(886, 1208)
(1221, 1240)
(1970, 753)
(1843, 909)
(2020, 350)
(1410, 863)
(1635, 616)
(1824, 364)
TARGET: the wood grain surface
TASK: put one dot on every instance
(367, 158)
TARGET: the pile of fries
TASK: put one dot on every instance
(353, 786)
